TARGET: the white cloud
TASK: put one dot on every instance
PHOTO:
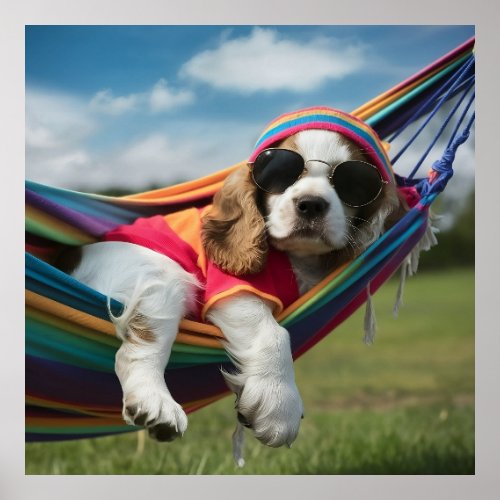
(56, 127)
(105, 102)
(55, 119)
(163, 98)
(192, 150)
(154, 148)
(160, 98)
(58, 153)
(267, 61)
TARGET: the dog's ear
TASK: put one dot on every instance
(233, 230)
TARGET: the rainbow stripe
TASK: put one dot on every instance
(325, 118)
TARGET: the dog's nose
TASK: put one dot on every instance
(311, 206)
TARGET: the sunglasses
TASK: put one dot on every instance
(356, 183)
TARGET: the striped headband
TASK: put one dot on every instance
(328, 119)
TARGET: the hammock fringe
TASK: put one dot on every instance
(409, 267)
(370, 322)
(238, 443)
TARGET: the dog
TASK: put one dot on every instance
(311, 198)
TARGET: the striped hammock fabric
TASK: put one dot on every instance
(71, 388)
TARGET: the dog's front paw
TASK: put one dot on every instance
(158, 412)
(272, 408)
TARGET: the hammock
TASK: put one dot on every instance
(71, 388)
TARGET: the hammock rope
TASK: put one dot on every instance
(438, 135)
(455, 82)
(442, 169)
(71, 389)
(439, 97)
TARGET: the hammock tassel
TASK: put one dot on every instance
(427, 241)
(370, 323)
(405, 266)
(238, 443)
(410, 265)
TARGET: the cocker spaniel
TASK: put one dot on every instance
(317, 190)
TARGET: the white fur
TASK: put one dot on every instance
(158, 293)
(282, 213)
(321, 150)
(265, 384)
(158, 289)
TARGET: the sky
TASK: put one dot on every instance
(141, 106)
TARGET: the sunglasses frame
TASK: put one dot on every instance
(330, 175)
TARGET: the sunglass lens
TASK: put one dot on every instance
(275, 170)
(357, 183)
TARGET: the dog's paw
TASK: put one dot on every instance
(158, 412)
(272, 408)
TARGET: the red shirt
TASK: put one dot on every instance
(178, 236)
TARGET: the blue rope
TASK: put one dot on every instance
(440, 131)
(423, 108)
(464, 114)
(458, 81)
(410, 180)
(444, 166)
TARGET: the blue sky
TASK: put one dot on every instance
(133, 106)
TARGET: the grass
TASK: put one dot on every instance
(404, 405)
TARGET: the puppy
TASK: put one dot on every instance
(308, 201)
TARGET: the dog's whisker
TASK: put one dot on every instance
(352, 226)
(352, 242)
(348, 217)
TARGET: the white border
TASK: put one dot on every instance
(14, 15)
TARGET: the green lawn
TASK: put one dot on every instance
(404, 405)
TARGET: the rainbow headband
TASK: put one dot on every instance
(328, 119)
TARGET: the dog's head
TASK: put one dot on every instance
(310, 189)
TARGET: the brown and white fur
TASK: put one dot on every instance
(308, 221)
